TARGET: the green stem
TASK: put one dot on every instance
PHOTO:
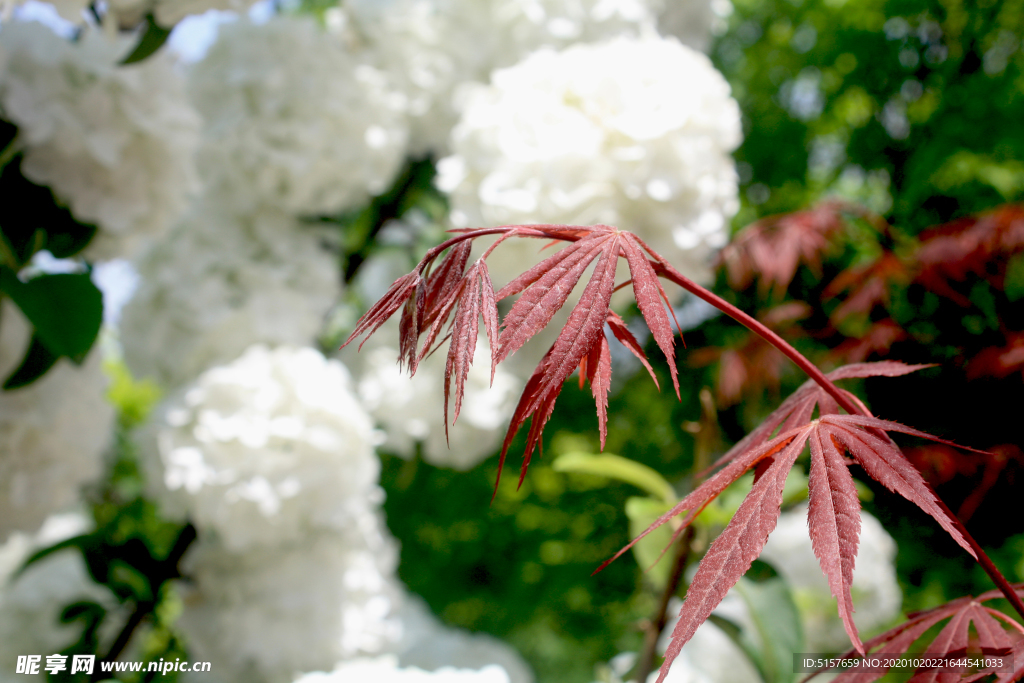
(10, 151)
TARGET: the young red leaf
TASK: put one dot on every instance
(618, 327)
(548, 293)
(398, 294)
(833, 518)
(599, 374)
(953, 641)
(833, 511)
(883, 462)
(732, 553)
(463, 344)
(584, 328)
(649, 294)
(799, 407)
(442, 284)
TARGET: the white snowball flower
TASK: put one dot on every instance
(116, 143)
(31, 604)
(267, 448)
(387, 670)
(268, 613)
(431, 47)
(220, 283)
(410, 409)
(292, 120)
(53, 432)
(635, 133)
(877, 598)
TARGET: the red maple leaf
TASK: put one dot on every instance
(952, 641)
(544, 290)
(833, 512)
(773, 247)
(866, 286)
(428, 299)
(978, 245)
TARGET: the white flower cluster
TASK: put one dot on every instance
(387, 670)
(269, 448)
(265, 614)
(292, 120)
(272, 458)
(691, 21)
(220, 283)
(635, 133)
(410, 409)
(31, 604)
(429, 48)
(53, 432)
(877, 598)
(116, 143)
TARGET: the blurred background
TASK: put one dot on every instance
(198, 199)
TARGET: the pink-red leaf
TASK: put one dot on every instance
(400, 291)
(584, 328)
(462, 346)
(649, 295)
(732, 553)
(833, 518)
(954, 640)
(599, 374)
(618, 327)
(548, 293)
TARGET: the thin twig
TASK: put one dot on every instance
(657, 624)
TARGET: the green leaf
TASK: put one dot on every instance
(32, 219)
(152, 40)
(65, 309)
(34, 365)
(616, 467)
(641, 512)
(1014, 282)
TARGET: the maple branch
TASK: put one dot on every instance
(985, 561)
(753, 324)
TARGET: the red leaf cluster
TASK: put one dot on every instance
(833, 512)
(978, 245)
(428, 297)
(954, 640)
(771, 249)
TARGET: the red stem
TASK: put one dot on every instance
(760, 329)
